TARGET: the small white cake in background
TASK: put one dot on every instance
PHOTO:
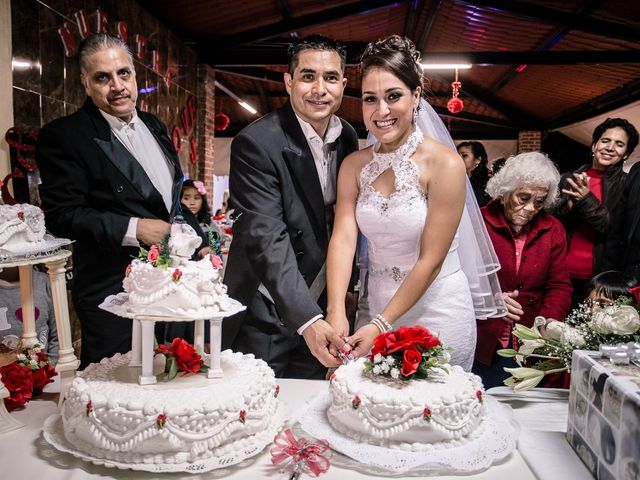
(107, 415)
(19, 224)
(405, 395)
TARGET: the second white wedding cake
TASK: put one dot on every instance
(442, 410)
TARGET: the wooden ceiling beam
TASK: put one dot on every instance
(559, 17)
(258, 55)
(295, 23)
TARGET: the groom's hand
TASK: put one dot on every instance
(319, 337)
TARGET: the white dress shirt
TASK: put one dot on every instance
(140, 142)
(325, 158)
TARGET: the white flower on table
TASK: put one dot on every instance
(395, 373)
(616, 320)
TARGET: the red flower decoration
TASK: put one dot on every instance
(186, 357)
(277, 391)
(410, 361)
(21, 215)
(635, 293)
(221, 122)
(479, 396)
(161, 420)
(415, 338)
(426, 414)
(153, 254)
(89, 408)
(127, 270)
(455, 105)
(43, 375)
(331, 377)
(242, 416)
(355, 403)
(177, 274)
(19, 381)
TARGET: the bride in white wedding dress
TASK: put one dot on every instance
(406, 194)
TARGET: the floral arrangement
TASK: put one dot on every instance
(26, 375)
(407, 353)
(181, 357)
(586, 328)
(158, 255)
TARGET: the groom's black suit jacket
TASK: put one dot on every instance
(280, 238)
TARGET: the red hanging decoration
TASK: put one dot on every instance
(455, 104)
(221, 122)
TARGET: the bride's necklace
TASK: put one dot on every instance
(403, 151)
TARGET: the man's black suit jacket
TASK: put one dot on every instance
(91, 187)
(280, 238)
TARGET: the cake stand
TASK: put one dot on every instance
(142, 333)
(55, 262)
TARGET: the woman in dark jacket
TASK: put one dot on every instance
(477, 164)
(590, 199)
(531, 247)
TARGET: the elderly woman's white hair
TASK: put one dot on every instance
(532, 169)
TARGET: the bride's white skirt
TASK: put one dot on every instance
(445, 309)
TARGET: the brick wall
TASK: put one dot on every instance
(205, 91)
(529, 140)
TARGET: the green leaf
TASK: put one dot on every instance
(173, 368)
(204, 368)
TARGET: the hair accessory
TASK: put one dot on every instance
(200, 187)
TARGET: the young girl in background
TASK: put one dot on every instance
(606, 287)
(194, 197)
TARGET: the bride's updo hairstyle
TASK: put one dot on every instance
(396, 54)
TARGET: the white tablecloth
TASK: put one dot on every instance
(542, 448)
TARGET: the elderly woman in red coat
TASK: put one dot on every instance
(532, 248)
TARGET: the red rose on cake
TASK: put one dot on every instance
(403, 338)
(410, 361)
(181, 356)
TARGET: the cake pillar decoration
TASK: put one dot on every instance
(147, 377)
(136, 344)
(67, 361)
(215, 342)
(198, 336)
(29, 337)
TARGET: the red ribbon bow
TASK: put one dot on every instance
(635, 293)
(305, 454)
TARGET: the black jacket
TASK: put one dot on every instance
(589, 210)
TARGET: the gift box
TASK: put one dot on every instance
(604, 415)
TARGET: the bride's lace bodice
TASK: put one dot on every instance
(393, 225)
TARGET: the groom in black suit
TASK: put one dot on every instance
(283, 184)
(111, 180)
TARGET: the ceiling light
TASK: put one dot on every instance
(248, 107)
(445, 66)
(242, 103)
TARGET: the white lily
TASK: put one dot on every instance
(528, 346)
(523, 378)
(526, 333)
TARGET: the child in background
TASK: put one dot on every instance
(194, 197)
(11, 314)
(607, 287)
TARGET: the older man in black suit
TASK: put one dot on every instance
(111, 180)
(283, 181)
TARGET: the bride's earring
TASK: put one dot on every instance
(415, 115)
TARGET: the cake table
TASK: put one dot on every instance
(55, 262)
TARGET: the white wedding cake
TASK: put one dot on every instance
(443, 410)
(19, 224)
(108, 416)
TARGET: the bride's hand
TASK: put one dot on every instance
(362, 340)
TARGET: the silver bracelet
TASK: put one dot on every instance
(377, 323)
(383, 321)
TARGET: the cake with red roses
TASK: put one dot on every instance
(405, 395)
